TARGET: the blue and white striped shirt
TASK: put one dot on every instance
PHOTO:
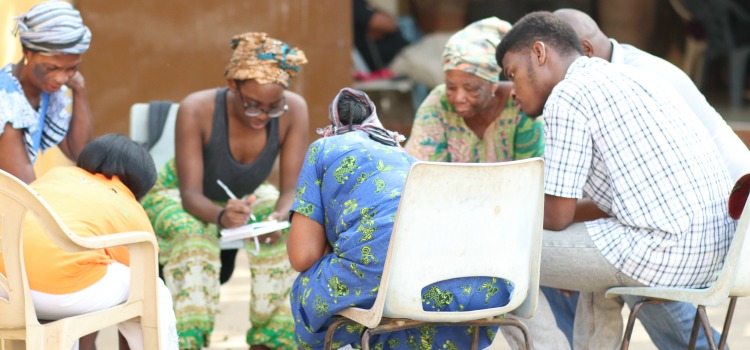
(16, 110)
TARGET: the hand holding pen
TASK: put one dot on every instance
(237, 212)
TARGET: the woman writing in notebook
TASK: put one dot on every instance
(232, 135)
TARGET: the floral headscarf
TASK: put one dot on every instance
(264, 59)
(472, 49)
(371, 125)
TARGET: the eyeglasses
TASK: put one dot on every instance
(254, 111)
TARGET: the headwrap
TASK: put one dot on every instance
(472, 49)
(53, 28)
(371, 125)
(264, 59)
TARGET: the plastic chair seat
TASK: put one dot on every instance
(733, 282)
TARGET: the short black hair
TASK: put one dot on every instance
(117, 155)
(352, 110)
(539, 26)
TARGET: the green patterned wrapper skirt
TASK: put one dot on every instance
(190, 256)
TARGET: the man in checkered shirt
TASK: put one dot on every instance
(633, 182)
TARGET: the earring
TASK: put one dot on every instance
(493, 92)
(25, 61)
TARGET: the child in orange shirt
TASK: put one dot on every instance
(97, 197)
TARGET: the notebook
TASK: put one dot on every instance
(252, 230)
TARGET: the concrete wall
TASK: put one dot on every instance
(146, 50)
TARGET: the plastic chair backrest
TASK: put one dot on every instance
(163, 150)
(459, 220)
(16, 312)
(17, 316)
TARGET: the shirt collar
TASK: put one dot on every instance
(579, 62)
(618, 56)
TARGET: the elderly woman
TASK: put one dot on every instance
(33, 102)
(233, 134)
(472, 117)
(347, 197)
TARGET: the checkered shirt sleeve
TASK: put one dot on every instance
(623, 140)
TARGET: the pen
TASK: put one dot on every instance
(232, 196)
(226, 189)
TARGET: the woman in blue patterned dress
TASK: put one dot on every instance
(347, 197)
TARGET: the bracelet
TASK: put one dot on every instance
(218, 218)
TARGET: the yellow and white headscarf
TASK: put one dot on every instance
(472, 49)
(264, 59)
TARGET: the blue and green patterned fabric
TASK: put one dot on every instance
(352, 185)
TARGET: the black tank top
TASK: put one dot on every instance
(218, 162)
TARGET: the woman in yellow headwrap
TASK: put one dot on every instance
(233, 135)
(472, 117)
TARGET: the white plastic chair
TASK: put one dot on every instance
(733, 282)
(19, 326)
(163, 150)
(470, 220)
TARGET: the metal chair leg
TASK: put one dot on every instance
(694, 332)
(727, 323)
(332, 329)
(631, 323)
(707, 327)
(524, 331)
(366, 339)
(475, 338)
(398, 325)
